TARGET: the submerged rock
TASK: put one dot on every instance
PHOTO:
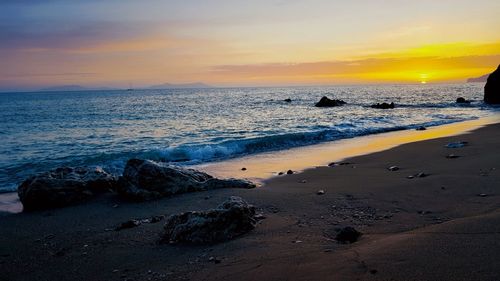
(348, 235)
(383, 105)
(492, 88)
(326, 102)
(146, 180)
(232, 218)
(63, 186)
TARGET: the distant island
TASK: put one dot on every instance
(74, 88)
(197, 85)
(478, 79)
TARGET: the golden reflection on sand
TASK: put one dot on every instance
(265, 165)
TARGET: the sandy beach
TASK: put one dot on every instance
(442, 226)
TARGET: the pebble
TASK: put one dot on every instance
(457, 144)
(303, 181)
(421, 175)
(452, 156)
(280, 173)
(320, 192)
(482, 195)
(243, 169)
(289, 172)
(393, 168)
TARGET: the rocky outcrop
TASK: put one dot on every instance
(383, 105)
(492, 88)
(63, 186)
(232, 218)
(145, 180)
(326, 102)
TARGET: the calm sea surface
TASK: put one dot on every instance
(43, 130)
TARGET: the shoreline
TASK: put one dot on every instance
(307, 157)
(408, 225)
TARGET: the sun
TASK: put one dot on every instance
(424, 77)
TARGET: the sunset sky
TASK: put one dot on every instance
(245, 43)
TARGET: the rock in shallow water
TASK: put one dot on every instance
(232, 218)
(63, 186)
(383, 105)
(326, 102)
(146, 180)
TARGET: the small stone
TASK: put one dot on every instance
(243, 169)
(280, 173)
(421, 128)
(289, 172)
(482, 195)
(303, 181)
(458, 144)
(373, 271)
(452, 156)
(421, 175)
(128, 224)
(333, 164)
(214, 260)
(297, 241)
(320, 192)
(348, 234)
(287, 100)
(443, 188)
(410, 177)
(115, 270)
(115, 206)
(393, 168)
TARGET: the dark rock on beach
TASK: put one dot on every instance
(326, 102)
(492, 88)
(348, 235)
(383, 105)
(289, 172)
(63, 186)
(287, 100)
(232, 218)
(146, 180)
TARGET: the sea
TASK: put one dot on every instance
(40, 131)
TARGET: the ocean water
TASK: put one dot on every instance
(43, 130)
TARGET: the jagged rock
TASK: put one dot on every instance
(348, 235)
(63, 186)
(145, 180)
(232, 218)
(462, 100)
(383, 105)
(326, 102)
(492, 88)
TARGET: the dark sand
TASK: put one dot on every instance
(431, 228)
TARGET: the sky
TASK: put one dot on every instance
(118, 43)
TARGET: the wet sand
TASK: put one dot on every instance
(445, 226)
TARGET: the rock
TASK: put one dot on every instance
(326, 102)
(421, 128)
(421, 175)
(145, 180)
(280, 173)
(458, 144)
(320, 192)
(492, 88)
(482, 195)
(231, 219)
(410, 177)
(63, 187)
(452, 156)
(462, 100)
(393, 168)
(287, 100)
(289, 172)
(383, 105)
(348, 235)
(128, 224)
(243, 169)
